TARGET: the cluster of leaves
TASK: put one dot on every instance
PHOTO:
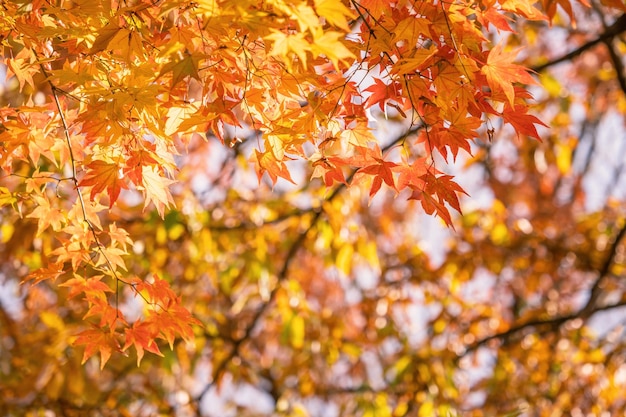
(114, 108)
(124, 83)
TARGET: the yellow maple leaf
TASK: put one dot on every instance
(285, 45)
(335, 13)
(156, 189)
(332, 48)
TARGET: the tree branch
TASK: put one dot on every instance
(596, 289)
(284, 271)
(588, 310)
(618, 27)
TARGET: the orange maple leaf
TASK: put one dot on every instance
(188, 66)
(52, 271)
(335, 13)
(101, 176)
(91, 287)
(109, 315)
(47, 216)
(105, 35)
(524, 8)
(158, 291)
(174, 322)
(97, 340)
(330, 169)
(501, 72)
(382, 93)
(381, 171)
(437, 192)
(411, 175)
(494, 17)
(142, 336)
(267, 162)
(523, 122)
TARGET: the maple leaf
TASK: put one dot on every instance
(382, 93)
(91, 287)
(72, 250)
(410, 29)
(375, 8)
(524, 8)
(158, 290)
(137, 159)
(97, 340)
(166, 317)
(359, 135)
(379, 168)
(551, 8)
(141, 335)
(50, 272)
(112, 258)
(102, 175)
(436, 193)
(119, 236)
(23, 66)
(109, 316)
(501, 73)
(156, 189)
(329, 45)
(458, 134)
(6, 197)
(334, 12)
(267, 162)
(522, 122)
(47, 216)
(105, 35)
(181, 68)
(447, 190)
(286, 44)
(174, 322)
(494, 17)
(412, 175)
(432, 205)
(113, 37)
(330, 169)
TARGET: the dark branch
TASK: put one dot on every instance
(617, 64)
(618, 27)
(585, 312)
(596, 288)
(552, 322)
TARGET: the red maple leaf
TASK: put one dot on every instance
(382, 93)
(374, 164)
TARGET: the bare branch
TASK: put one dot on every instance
(596, 288)
(585, 312)
(618, 27)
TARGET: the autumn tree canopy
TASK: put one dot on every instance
(312, 207)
